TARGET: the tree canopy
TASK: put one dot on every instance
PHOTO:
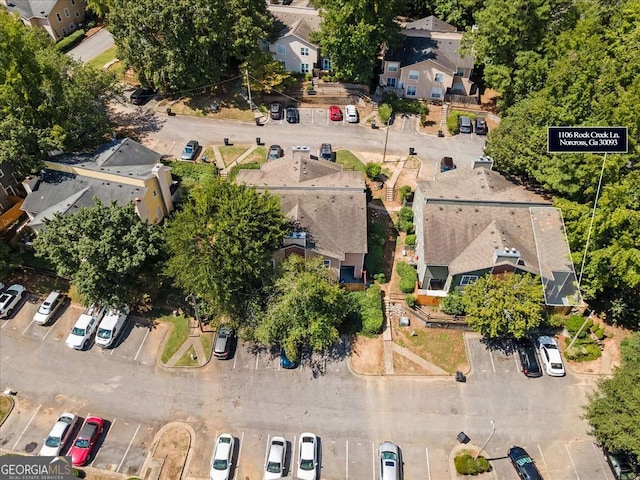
(508, 305)
(613, 410)
(222, 242)
(184, 44)
(305, 309)
(107, 251)
(48, 101)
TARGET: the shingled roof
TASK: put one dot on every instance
(442, 48)
(296, 23)
(31, 8)
(430, 23)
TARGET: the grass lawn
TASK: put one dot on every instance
(5, 405)
(349, 161)
(186, 361)
(209, 154)
(194, 172)
(104, 58)
(231, 152)
(259, 155)
(442, 347)
(207, 342)
(178, 336)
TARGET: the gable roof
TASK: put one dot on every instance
(296, 23)
(430, 23)
(31, 8)
(441, 48)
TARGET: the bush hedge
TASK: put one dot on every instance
(452, 304)
(408, 277)
(369, 304)
(403, 191)
(467, 465)
(410, 240)
(583, 351)
(410, 300)
(403, 105)
(233, 173)
(573, 324)
(67, 42)
(373, 170)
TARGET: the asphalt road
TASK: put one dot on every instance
(92, 46)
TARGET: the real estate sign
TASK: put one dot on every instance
(587, 140)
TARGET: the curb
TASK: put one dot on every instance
(13, 404)
(468, 446)
(156, 439)
(163, 365)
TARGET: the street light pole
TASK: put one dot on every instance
(386, 137)
(195, 308)
(493, 429)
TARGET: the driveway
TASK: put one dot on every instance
(92, 46)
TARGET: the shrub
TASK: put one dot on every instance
(573, 324)
(91, 24)
(373, 259)
(556, 320)
(377, 234)
(403, 105)
(406, 213)
(410, 300)
(410, 240)
(404, 269)
(384, 112)
(403, 191)
(594, 328)
(407, 285)
(405, 220)
(310, 88)
(423, 119)
(369, 304)
(452, 304)
(407, 227)
(467, 465)
(583, 351)
(408, 277)
(599, 334)
(373, 170)
(67, 42)
(380, 278)
(308, 76)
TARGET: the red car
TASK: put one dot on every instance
(335, 113)
(86, 440)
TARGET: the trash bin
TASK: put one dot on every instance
(169, 112)
(373, 125)
(462, 438)
(460, 377)
(258, 124)
(412, 151)
(440, 134)
(226, 141)
(258, 142)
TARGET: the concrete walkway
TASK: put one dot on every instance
(430, 367)
(238, 160)
(184, 348)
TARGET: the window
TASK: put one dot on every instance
(281, 49)
(155, 194)
(10, 191)
(460, 72)
(73, 2)
(304, 68)
(1, 173)
(326, 263)
(436, 92)
(326, 64)
(77, 14)
(392, 67)
(66, 13)
(58, 17)
(468, 279)
(304, 51)
(439, 77)
(391, 82)
(64, 32)
(411, 90)
(71, 26)
(413, 74)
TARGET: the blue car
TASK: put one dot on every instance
(285, 362)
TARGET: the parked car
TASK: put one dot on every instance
(48, 308)
(276, 456)
(464, 124)
(275, 152)
(285, 362)
(86, 440)
(550, 356)
(335, 114)
(307, 457)
(528, 358)
(10, 299)
(140, 96)
(222, 458)
(223, 341)
(190, 151)
(351, 113)
(85, 327)
(523, 464)
(389, 456)
(111, 326)
(481, 126)
(446, 164)
(326, 152)
(621, 464)
(292, 114)
(275, 111)
(59, 435)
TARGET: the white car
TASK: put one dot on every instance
(351, 113)
(111, 326)
(59, 435)
(10, 299)
(85, 327)
(307, 457)
(550, 356)
(49, 308)
(276, 455)
(389, 461)
(221, 460)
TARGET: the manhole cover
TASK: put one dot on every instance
(454, 411)
(30, 447)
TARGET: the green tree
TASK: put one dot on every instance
(222, 243)
(266, 73)
(613, 409)
(186, 44)
(107, 251)
(47, 100)
(306, 308)
(504, 305)
(99, 7)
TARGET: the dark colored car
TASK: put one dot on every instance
(275, 111)
(446, 164)
(223, 342)
(84, 443)
(275, 152)
(326, 153)
(140, 96)
(481, 126)
(528, 358)
(285, 362)
(621, 465)
(292, 114)
(190, 151)
(524, 464)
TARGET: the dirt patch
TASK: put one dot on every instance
(367, 355)
(38, 283)
(611, 356)
(172, 447)
(432, 123)
(403, 366)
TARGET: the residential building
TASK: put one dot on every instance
(122, 171)
(58, 18)
(327, 205)
(427, 65)
(10, 187)
(475, 222)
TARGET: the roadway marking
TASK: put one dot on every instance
(347, 461)
(240, 450)
(127, 451)
(140, 348)
(48, 331)
(25, 330)
(25, 428)
(257, 359)
(373, 461)
(293, 455)
(428, 466)
(571, 460)
(95, 457)
(515, 360)
(543, 460)
(599, 456)
(266, 451)
(493, 365)
(6, 322)
(235, 358)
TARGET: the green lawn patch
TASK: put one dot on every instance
(259, 155)
(206, 339)
(230, 153)
(442, 347)
(5, 406)
(186, 360)
(233, 173)
(104, 58)
(190, 172)
(70, 41)
(349, 161)
(178, 336)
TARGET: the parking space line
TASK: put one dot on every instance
(493, 365)
(266, 450)
(347, 461)
(25, 428)
(140, 348)
(373, 461)
(293, 455)
(543, 460)
(171, 147)
(571, 460)
(235, 359)
(6, 322)
(239, 452)
(603, 467)
(25, 330)
(127, 450)
(515, 360)
(257, 359)
(48, 332)
(428, 466)
(110, 428)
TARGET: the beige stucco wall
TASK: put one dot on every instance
(292, 56)
(356, 260)
(76, 16)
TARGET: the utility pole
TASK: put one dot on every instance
(195, 308)
(246, 71)
(386, 137)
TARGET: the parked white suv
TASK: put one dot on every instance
(351, 113)
(111, 326)
(49, 308)
(10, 299)
(550, 356)
(85, 327)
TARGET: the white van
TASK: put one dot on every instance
(110, 326)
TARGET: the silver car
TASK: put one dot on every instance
(59, 435)
(389, 461)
